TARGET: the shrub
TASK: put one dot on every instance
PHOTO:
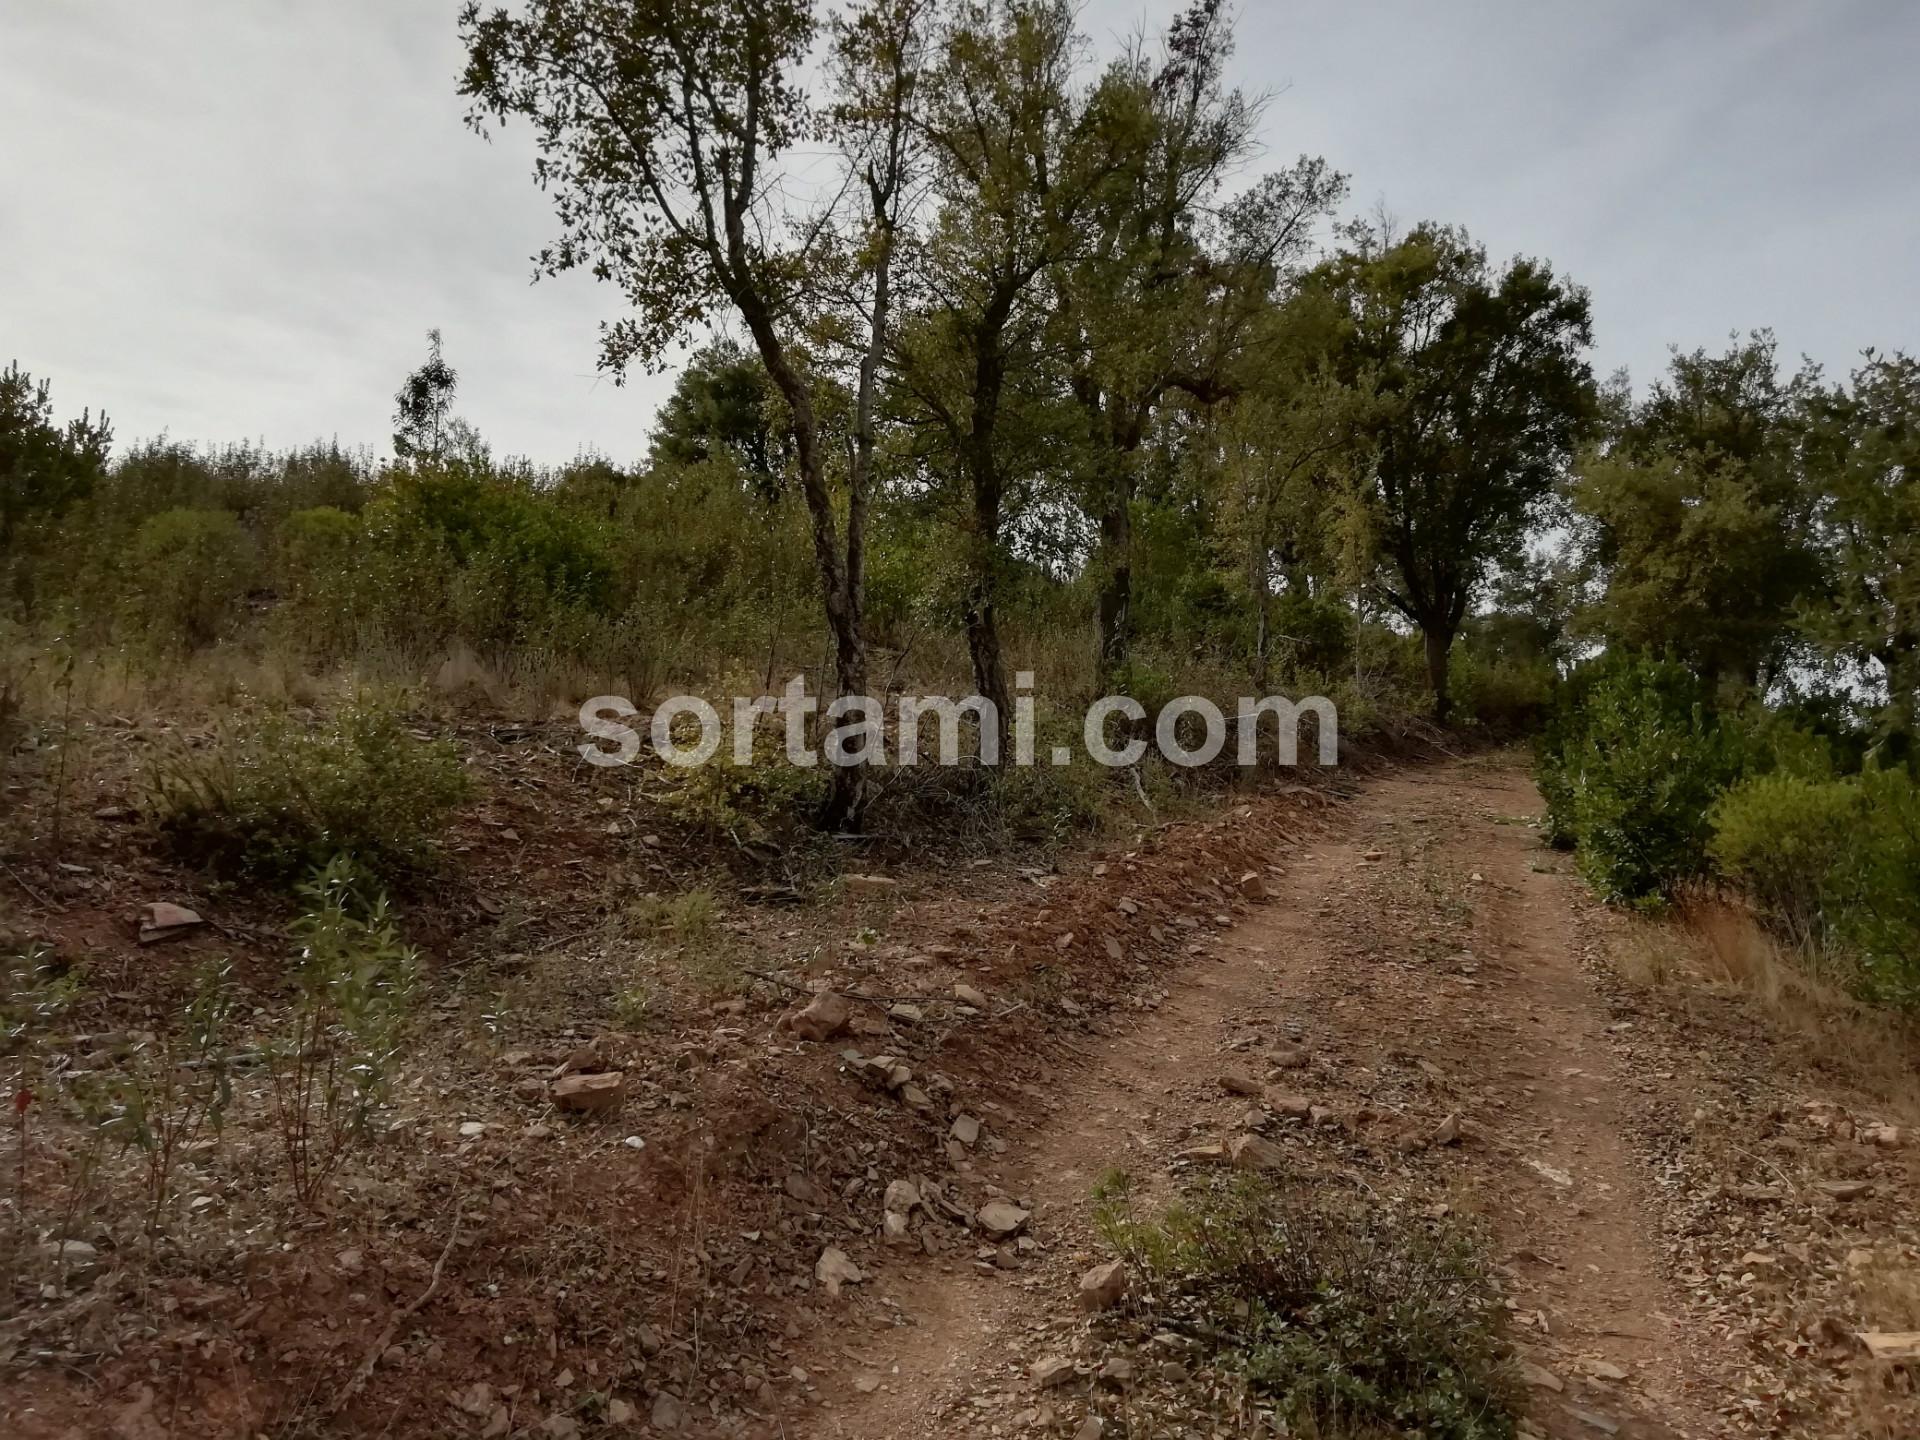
(332, 1067)
(187, 577)
(1833, 863)
(318, 581)
(1879, 915)
(1352, 1319)
(274, 798)
(1634, 764)
(1785, 840)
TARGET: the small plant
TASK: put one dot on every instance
(178, 1088)
(34, 990)
(276, 799)
(332, 1068)
(635, 1007)
(1351, 1319)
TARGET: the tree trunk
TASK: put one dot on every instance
(989, 666)
(1439, 644)
(1116, 581)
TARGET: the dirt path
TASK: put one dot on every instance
(1425, 959)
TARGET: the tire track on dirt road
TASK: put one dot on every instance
(1425, 961)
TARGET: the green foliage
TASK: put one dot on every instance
(176, 1086)
(1785, 840)
(1480, 391)
(1633, 766)
(315, 572)
(1835, 865)
(332, 1067)
(187, 577)
(44, 467)
(1697, 515)
(1351, 1319)
(277, 796)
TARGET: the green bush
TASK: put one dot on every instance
(1352, 1319)
(275, 798)
(187, 576)
(1879, 915)
(1785, 840)
(317, 577)
(1633, 766)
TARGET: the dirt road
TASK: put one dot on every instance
(1423, 955)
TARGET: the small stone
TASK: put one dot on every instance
(824, 1017)
(163, 920)
(1603, 1370)
(966, 1130)
(871, 884)
(833, 1269)
(967, 995)
(1235, 1083)
(1210, 1153)
(668, 1413)
(1103, 1286)
(1252, 887)
(1091, 1428)
(621, 1412)
(902, 1196)
(1844, 1190)
(1887, 1137)
(1540, 1378)
(1293, 1107)
(473, 1129)
(1117, 1373)
(1051, 1371)
(1448, 1131)
(907, 1014)
(895, 1228)
(1255, 1152)
(603, 1090)
(1001, 1219)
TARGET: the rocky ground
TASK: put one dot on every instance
(826, 1169)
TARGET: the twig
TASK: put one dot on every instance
(15, 876)
(361, 1375)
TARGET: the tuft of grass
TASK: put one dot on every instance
(275, 799)
(1351, 1319)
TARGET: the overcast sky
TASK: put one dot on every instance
(234, 219)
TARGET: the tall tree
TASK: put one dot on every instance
(1698, 518)
(1015, 161)
(1171, 285)
(1863, 448)
(661, 129)
(1480, 390)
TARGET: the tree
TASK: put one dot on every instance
(660, 128)
(425, 429)
(44, 467)
(1864, 451)
(719, 407)
(1015, 159)
(1171, 284)
(1698, 518)
(1479, 392)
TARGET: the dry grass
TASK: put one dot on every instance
(1711, 944)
